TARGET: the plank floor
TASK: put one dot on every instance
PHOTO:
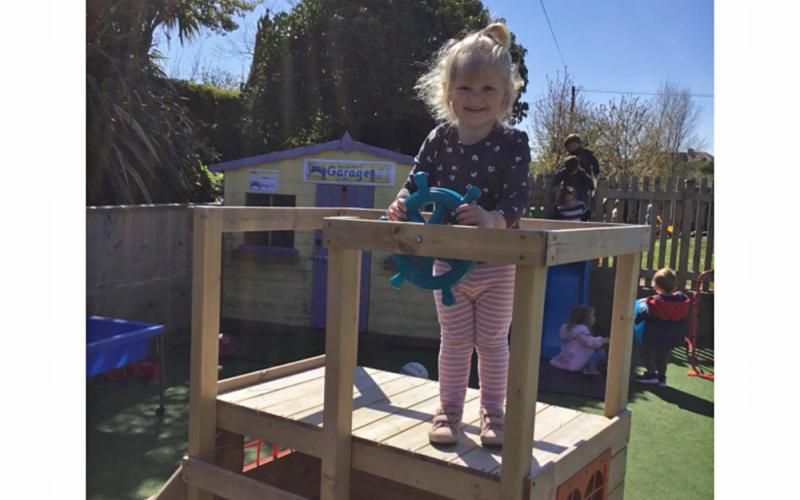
(394, 410)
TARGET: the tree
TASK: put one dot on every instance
(629, 135)
(141, 145)
(624, 130)
(329, 66)
(554, 118)
(676, 116)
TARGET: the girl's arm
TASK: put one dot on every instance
(590, 340)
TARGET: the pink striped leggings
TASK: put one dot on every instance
(479, 320)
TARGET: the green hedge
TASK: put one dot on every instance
(216, 114)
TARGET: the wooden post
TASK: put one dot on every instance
(689, 204)
(626, 285)
(229, 452)
(699, 227)
(206, 269)
(597, 207)
(523, 379)
(668, 212)
(709, 242)
(658, 209)
(341, 348)
(677, 218)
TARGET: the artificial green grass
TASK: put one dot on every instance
(130, 453)
(671, 447)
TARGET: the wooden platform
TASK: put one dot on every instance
(391, 418)
(376, 422)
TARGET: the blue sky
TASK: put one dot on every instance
(616, 45)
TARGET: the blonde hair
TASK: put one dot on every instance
(487, 48)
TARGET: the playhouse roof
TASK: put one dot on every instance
(346, 143)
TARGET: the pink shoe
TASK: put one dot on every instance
(446, 425)
(492, 422)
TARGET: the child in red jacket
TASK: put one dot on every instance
(665, 315)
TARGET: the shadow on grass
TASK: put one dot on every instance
(683, 400)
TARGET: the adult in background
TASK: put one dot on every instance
(589, 163)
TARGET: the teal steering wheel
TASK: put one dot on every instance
(419, 271)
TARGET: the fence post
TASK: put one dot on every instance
(689, 197)
(597, 202)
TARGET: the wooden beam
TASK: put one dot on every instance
(173, 489)
(269, 428)
(524, 223)
(229, 484)
(365, 213)
(616, 469)
(500, 246)
(237, 219)
(432, 476)
(549, 224)
(258, 376)
(574, 245)
(523, 379)
(626, 285)
(206, 269)
(229, 453)
(341, 347)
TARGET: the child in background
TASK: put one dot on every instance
(571, 208)
(571, 174)
(471, 89)
(582, 351)
(664, 316)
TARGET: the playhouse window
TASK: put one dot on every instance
(282, 239)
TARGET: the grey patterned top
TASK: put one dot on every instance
(498, 164)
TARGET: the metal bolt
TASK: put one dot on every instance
(419, 238)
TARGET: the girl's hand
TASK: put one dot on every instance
(472, 214)
(606, 340)
(397, 210)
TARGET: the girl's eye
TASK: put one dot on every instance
(463, 88)
(488, 89)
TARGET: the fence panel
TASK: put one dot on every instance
(680, 213)
(138, 264)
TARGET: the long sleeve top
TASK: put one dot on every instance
(579, 345)
(498, 164)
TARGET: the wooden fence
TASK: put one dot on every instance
(680, 213)
(139, 263)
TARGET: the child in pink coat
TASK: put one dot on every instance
(581, 350)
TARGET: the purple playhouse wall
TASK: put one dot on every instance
(335, 195)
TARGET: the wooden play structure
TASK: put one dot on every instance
(359, 432)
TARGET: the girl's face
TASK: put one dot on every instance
(590, 320)
(570, 201)
(476, 101)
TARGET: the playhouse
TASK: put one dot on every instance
(359, 432)
(339, 173)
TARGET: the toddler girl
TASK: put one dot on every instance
(581, 350)
(571, 208)
(471, 89)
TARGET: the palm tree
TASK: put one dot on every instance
(141, 146)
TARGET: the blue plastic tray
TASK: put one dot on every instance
(567, 286)
(113, 343)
